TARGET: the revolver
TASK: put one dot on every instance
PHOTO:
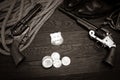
(99, 34)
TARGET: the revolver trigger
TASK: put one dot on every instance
(97, 44)
(103, 45)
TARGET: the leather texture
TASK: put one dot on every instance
(87, 8)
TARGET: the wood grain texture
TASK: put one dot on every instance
(86, 58)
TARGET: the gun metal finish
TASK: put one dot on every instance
(102, 35)
(19, 30)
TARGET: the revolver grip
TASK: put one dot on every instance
(110, 58)
(17, 56)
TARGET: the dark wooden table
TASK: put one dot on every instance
(86, 58)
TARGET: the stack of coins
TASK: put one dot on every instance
(54, 60)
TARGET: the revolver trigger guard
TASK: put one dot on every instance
(97, 44)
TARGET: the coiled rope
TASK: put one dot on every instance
(13, 10)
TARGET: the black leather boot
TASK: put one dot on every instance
(93, 8)
(87, 8)
(71, 5)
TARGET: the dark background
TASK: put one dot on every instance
(86, 58)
